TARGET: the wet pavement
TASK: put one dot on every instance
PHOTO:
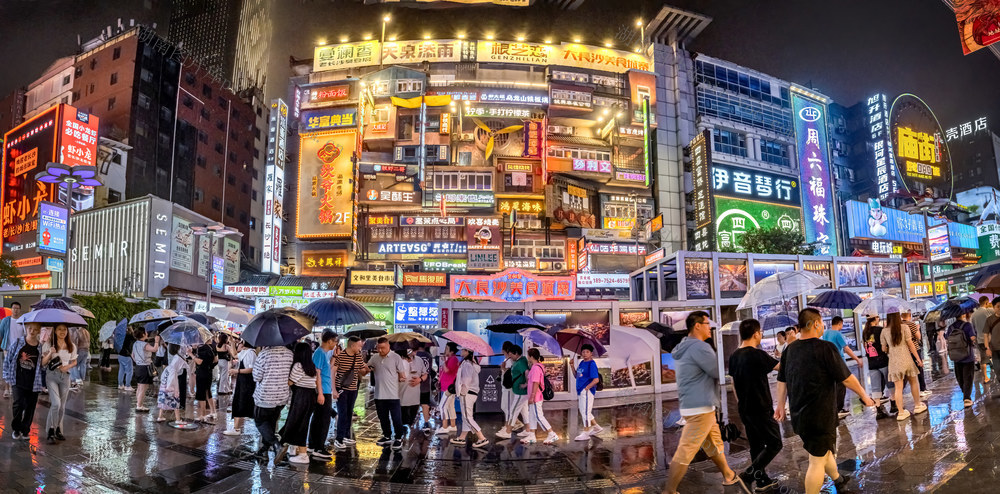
(109, 448)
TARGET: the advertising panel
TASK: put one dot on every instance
(566, 54)
(762, 270)
(823, 269)
(744, 183)
(465, 199)
(483, 232)
(345, 55)
(78, 137)
(923, 288)
(532, 139)
(978, 24)
(52, 222)
(246, 290)
(433, 248)
(231, 255)
(274, 188)
(431, 220)
(329, 118)
(363, 54)
(988, 235)
(922, 155)
(513, 285)
(602, 280)
(328, 94)
(425, 279)
(484, 259)
(218, 272)
(571, 97)
(324, 262)
(733, 278)
(373, 278)
(267, 303)
(962, 235)
(698, 278)
(886, 275)
(940, 246)
(885, 162)
(735, 217)
(852, 274)
(814, 172)
(701, 161)
(871, 220)
(111, 251)
(531, 207)
(326, 175)
(182, 246)
(444, 265)
(571, 205)
(415, 313)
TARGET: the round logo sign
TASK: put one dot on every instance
(810, 114)
(919, 150)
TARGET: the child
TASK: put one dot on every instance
(169, 395)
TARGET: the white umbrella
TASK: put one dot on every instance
(83, 312)
(231, 314)
(107, 330)
(151, 315)
(677, 320)
(780, 287)
(883, 303)
(923, 304)
(632, 346)
(49, 317)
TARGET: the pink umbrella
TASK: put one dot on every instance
(469, 341)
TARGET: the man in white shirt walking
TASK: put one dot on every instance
(389, 372)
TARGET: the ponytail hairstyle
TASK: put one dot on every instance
(535, 354)
(869, 327)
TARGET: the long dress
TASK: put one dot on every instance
(901, 365)
(243, 396)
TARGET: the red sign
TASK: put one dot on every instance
(379, 127)
(78, 137)
(425, 279)
(329, 93)
(571, 254)
(655, 256)
(532, 139)
(978, 24)
(513, 285)
(444, 318)
(483, 232)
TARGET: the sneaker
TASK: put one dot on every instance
(842, 413)
(321, 454)
(129, 389)
(841, 481)
(552, 437)
(921, 408)
(442, 430)
(231, 432)
(397, 445)
(339, 445)
(968, 403)
(458, 441)
(903, 415)
(596, 429)
(299, 458)
(529, 440)
(526, 433)
(383, 441)
(503, 434)
(15, 436)
(582, 437)
(681, 422)
(925, 394)
(453, 428)
(880, 413)
(482, 443)
(348, 440)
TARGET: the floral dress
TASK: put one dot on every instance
(169, 397)
(901, 365)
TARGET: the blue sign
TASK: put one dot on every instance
(963, 235)
(53, 220)
(872, 221)
(331, 118)
(416, 313)
(54, 265)
(218, 272)
(814, 172)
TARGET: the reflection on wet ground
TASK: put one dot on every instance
(112, 449)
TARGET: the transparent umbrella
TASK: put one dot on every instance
(882, 304)
(779, 287)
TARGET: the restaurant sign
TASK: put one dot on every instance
(513, 285)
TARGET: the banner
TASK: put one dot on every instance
(513, 285)
(182, 246)
(814, 172)
(366, 54)
(231, 257)
(566, 54)
(978, 23)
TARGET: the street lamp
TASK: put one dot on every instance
(72, 177)
(385, 20)
(924, 205)
(213, 232)
(642, 35)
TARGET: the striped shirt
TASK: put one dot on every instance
(299, 377)
(271, 371)
(345, 363)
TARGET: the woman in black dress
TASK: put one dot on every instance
(245, 386)
(224, 349)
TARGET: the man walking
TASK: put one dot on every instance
(22, 370)
(749, 367)
(319, 427)
(698, 389)
(978, 320)
(5, 338)
(349, 367)
(389, 372)
(808, 371)
(833, 335)
(270, 372)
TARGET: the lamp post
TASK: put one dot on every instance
(72, 177)
(642, 35)
(213, 232)
(381, 44)
(925, 205)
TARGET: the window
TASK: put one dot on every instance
(76, 96)
(66, 80)
(404, 128)
(93, 63)
(202, 136)
(230, 210)
(463, 180)
(146, 75)
(243, 218)
(774, 152)
(218, 147)
(189, 78)
(140, 129)
(114, 78)
(201, 161)
(205, 114)
(114, 196)
(222, 102)
(215, 203)
(580, 154)
(199, 195)
(217, 171)
(187, 101)
(91, 88)
(253, 194)
(730, 142)
(539, 248)
(245, 188)
(231, 179)
(253, 223)
(206, 90)
(117, 53)
(409, 85)
(111, 103)
(232, 157)
(144, 101)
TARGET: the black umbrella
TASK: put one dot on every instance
(669, 337)
(52, 303)
(955, 307)
(836, 299)
(202, 318)
(276, 327)
(514, 323)
(337, 311)
(366, 331)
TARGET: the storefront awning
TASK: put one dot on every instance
(311, 282)
(371, 298)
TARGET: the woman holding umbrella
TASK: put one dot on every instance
(467, 386)
(168, 397)
(243, 395)
(142, 356)
(447, 379)
(59, 356)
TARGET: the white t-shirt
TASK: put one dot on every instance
(139, 354)
(247, 356)
(65, 356)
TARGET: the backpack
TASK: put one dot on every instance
(958, 344)
(547, 392)
(994, 334)
(508, 379)
(600, 383)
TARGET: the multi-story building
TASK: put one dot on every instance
(975, 154)
(53, 87)
(11, 110)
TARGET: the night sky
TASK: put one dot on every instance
(847, 49)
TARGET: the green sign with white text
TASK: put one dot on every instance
(735, 217)
(284, 291)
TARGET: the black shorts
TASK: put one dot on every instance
(202, 387)
(819, 445)
(425, 397)
(143, 374)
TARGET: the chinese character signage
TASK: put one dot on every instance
(464, 199)
(371, 193)
(284, 291)
(532, 141)
(978, 23)
(523, 206)
(602, 280)
(326, 94)
(325, 208)
(78, 139)
(483, 232)
(498, 112)
(416, 313)
(345, 55)
(571, 97)
(744, 183)
(968, 128)
(921, 153)
(566, 54)
(425, 279)
(274, 187)
(513, 285)
(329, 118)
(735, 217)
(989, 241)
(218, 272)
(324, 262)
(814, 171)
(52, 222)
(592, 166)
(484, 259)
(373, 278)
(247, 290)
(431, 221)
(434, 248)
(878, 128)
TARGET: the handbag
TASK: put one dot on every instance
(54, 364)
(451, 388)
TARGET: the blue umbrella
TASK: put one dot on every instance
(542, 339)
(779, 320)
(52, 303)
(514, 323)
(337, 311)
(277, 327)
(984, 273)
(956, 306)
(186, 333)
(836, 299)
(119, 334)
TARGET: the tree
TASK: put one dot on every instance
(109, 307)
(774, 241)
(9, 272)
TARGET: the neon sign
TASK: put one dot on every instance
(513, 285)
(814, 168)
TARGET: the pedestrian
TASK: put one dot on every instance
(833, 335)
(992, 336)
(749, 367)
(350, 368)
(782, 343)
(243, 393)
(587, 378)
(205, 359)
(808, 370)
(425, 385)
(878, 365)
(142, 357)
(185, 366)
(319, 427)
(125, 362)
(519, 394)
(159, 358)
(791, 334)
(389, 372)
(305, 381)
(226, 351)
(978, 320)
(447, 379)
(107, 346)
(5, 338)
(467, 387)
(697, 387)
(409, 391)
(23, 372)
(536, 413)
(897, 344)
(270, 371)
(912, 330)
(59, 356)
(168, 397)
(961, 343)
(81, 338)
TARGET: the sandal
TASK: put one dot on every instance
(161, 419)
(736, 480)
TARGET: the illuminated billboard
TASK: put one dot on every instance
(701, 163)
(813, 155)
(978, 23)
(757, 185)
(921, 153)
(735, 217)
(878, 129)
(326, 185)
(274, 187)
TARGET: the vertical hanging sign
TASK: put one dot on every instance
(274, 187)
(645, 137)
(813, 156)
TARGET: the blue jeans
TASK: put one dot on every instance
(79, 371)
(124, 371)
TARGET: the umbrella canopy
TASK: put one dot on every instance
(231, 314)
(365, 331)
(984, 273)
(186, 333)
(678, 320)
(632, 346)
(782, 286)
(923, 305)
(836, 299)
(883, 303)
(52, 303)
(574, 339)
(82, 311)
(778, 320)
(48, 317)
(469, 341)
(204, 319)
(669, 338)
(337, 311)
(542, 339)
(276, 327)
(408, 338)
(513, 324)
(153, 315)
(955, 307)
(106, 331)
(5, 312)
(119, 334)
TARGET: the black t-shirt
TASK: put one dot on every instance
(749, 368)
(27, 361)
(425, 386)
(126, 350)
(207, 355)
(810, 368)
(877, 358)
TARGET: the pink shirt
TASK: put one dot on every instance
(449, 373)
(536, 375)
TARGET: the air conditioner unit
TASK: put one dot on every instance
(558, 266)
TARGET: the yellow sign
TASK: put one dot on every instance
(373, 278)
(26, 162)
(576, 191)
(920, 150)
(521, 205)
(567, 54)
(365, 54)
(923, 288)
(345, 55)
